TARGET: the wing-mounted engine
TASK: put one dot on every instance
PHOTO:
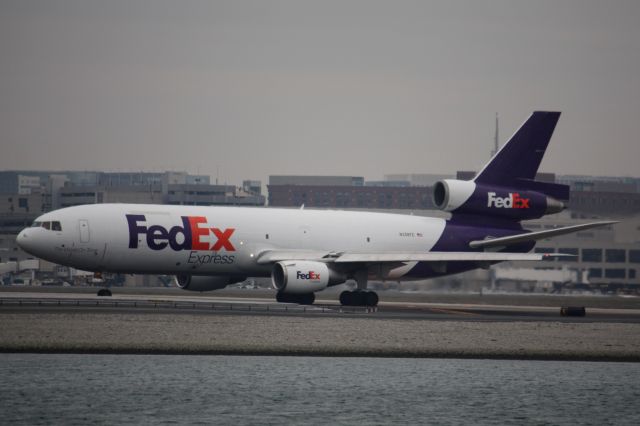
(302, 277)
(205, 283)
(469, 197)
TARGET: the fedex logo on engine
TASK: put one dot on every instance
(308, 276)
(513, 201)
(194, 234)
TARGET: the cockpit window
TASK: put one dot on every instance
(52, 226)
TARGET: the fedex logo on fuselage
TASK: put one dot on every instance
(194, 234)
(308, 276)
(513, 201)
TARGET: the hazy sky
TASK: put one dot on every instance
(252, 88)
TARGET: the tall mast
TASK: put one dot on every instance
(495, 139)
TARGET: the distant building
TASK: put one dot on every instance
(25, 195)
(541, 177)
(601, 183)
(345, 192)
(606, 204)
(33, 203)
(211, 195)
(388, 183)
(75, 195)
(38, 191)
(18, 183)
(363, 197)
(417, 179)
(253, 187)
(279, 180)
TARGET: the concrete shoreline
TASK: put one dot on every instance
(354, 354)
(157, 333)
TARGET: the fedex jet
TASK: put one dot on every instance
(305, 251)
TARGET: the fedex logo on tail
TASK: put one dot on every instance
(513, 201)
(308, 276)
(194, 234)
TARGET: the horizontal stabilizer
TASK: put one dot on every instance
(538, 235)
(554, 190)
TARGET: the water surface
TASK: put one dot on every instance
(40, 389)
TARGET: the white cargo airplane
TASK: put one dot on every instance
(304, 250)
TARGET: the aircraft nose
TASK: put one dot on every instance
(24, 240)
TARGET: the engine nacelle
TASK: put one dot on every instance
(205, 283)
(449, 194)
(460, 196)
(304, 277)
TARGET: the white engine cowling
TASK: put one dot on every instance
(205, 283)
(302, 277)
(449, 194)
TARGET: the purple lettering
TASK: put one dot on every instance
(185, 230)
(134, 229)
(157, 237)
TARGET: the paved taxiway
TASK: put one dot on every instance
(262, 303)
(169, 322)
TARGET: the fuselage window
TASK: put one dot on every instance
(46, 225)
(55, 226)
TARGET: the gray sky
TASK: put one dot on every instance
(363, 88)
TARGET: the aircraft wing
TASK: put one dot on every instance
(442, 256)
(538, 235)
(272, 256)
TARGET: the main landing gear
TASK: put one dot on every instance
(300, 299)
(359, 298)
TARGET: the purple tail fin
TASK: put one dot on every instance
(517, 163)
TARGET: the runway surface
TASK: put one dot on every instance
(261, 303)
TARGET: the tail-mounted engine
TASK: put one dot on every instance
(468, 197)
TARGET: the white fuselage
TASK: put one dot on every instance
(138, 238)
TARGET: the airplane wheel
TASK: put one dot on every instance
(307, 299)
(359, 298)
(345, 298)
(371, 298)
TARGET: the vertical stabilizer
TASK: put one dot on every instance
(520, 157)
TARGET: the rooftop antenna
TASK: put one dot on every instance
(495, 139)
